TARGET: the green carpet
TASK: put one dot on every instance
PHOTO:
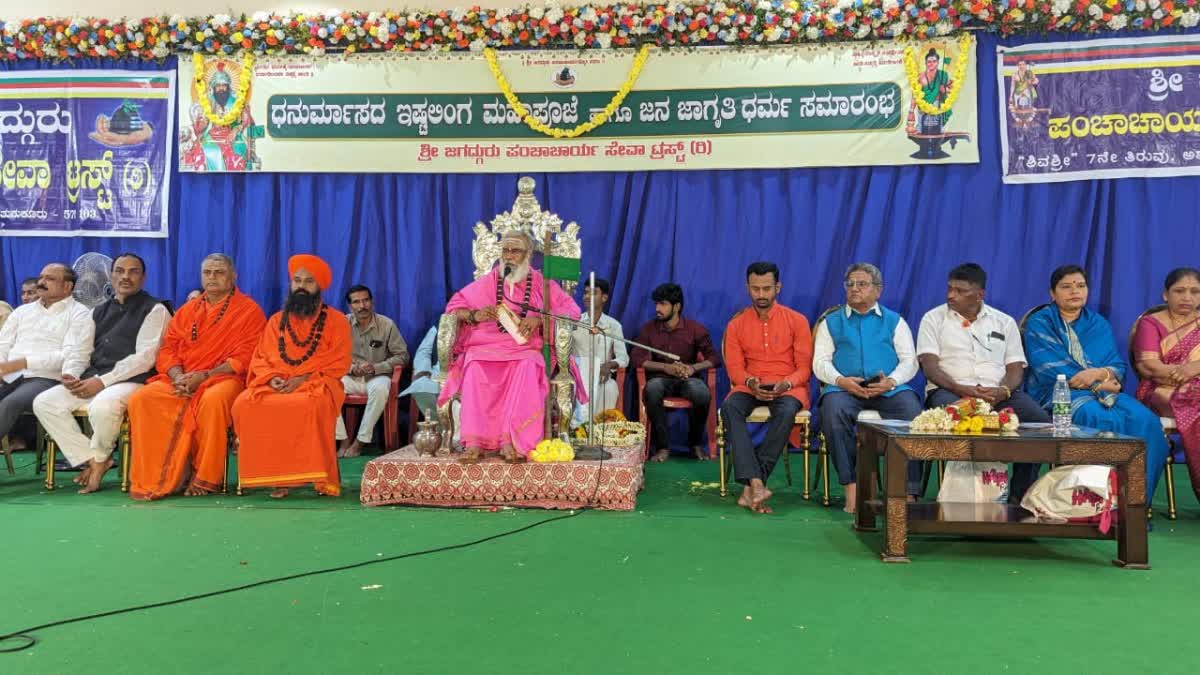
(688, 583)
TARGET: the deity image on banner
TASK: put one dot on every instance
(123, 127)
(1023, 97)
(205, 145)
(928, 131)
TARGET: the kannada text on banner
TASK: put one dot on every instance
(1100, 109)
(85, 153)
(715, 108)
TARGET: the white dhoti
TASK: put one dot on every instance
(376, 390)
(55, 408)
(602, 391)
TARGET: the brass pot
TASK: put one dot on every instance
(428, 438)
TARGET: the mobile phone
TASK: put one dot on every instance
(874, 380)
(766, 386)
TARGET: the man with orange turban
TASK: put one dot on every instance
(179, 422)
(285, 419)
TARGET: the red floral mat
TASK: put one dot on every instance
(403, 477)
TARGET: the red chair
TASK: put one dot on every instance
(675, 403)
(353, 405)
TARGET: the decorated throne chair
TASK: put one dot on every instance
(550, 238)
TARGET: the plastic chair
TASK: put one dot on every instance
(352, 409)
(677, 403)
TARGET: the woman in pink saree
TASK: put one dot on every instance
(1166, 354)
(502, 384)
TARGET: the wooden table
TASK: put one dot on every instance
(899, 444)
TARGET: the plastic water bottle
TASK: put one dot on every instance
(1061, 407)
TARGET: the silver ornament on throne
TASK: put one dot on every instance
(526, 215)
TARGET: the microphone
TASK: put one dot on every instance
(507, 269)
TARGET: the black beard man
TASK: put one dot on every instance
(221, 94)
(302, 303)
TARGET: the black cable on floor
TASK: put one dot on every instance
(26, 640)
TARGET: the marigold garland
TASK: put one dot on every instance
(591, 26)
(590, 125)
(956, 79)
(243, 89)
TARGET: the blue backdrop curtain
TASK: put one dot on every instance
(408, 235)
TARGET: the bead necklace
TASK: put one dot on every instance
(524, 301)
(313, 339)
(220, 315)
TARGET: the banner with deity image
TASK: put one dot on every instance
(1100, 109)
(85, 153)
(825, 105)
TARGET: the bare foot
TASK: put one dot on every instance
(660, 456)
(194, 491)
(747, 498)
(700, 452)
(510, 455)
(353, 450)
(851, 497)
(912, 499)
(81, 478)
(761, 495)
(16, 443)
(342, 445)
(279, 493)
(95, 475)
(469, 456)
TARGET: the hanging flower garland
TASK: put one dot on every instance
(956, 79)
(533, 26)
(241, 94)
(541, 127)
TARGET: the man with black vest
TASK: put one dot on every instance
(129, 328)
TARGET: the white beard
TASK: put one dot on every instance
(517, 275)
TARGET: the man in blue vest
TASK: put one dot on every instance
(864, 356)
(129, 328)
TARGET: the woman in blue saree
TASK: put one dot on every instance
(1067, 338)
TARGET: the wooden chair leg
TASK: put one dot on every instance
(7, 456)
(825, 501)
(806, 495)
(787, 463)
(1170, 476)
(721, 455)
(125, 452)
(51, 451)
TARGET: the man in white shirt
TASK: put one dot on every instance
(597, 367)
(970, 350)
(128, 330)
(42, 342)
(864, 356)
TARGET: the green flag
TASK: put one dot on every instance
(560, 268)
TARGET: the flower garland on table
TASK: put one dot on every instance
(530, 26)
(966, 416)
(242, 92)
(541, 127)
(956, 79)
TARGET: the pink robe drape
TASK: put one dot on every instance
(1153, 340)
(502, 385)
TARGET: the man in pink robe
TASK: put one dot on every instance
(502, 385)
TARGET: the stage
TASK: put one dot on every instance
(403, 477)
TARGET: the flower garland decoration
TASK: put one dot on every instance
(966, 416)
(598, 26)
(956, 79)
(541, 127)
(234, 112)
(553, 450)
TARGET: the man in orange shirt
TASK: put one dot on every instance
(768, 354)
(286, 416)
(179, 422)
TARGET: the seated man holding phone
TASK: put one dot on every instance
(864, 356)
(768, 353)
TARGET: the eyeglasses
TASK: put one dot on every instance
(858, 284)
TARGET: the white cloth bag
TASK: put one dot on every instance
(974, 483)
(1071, 492)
